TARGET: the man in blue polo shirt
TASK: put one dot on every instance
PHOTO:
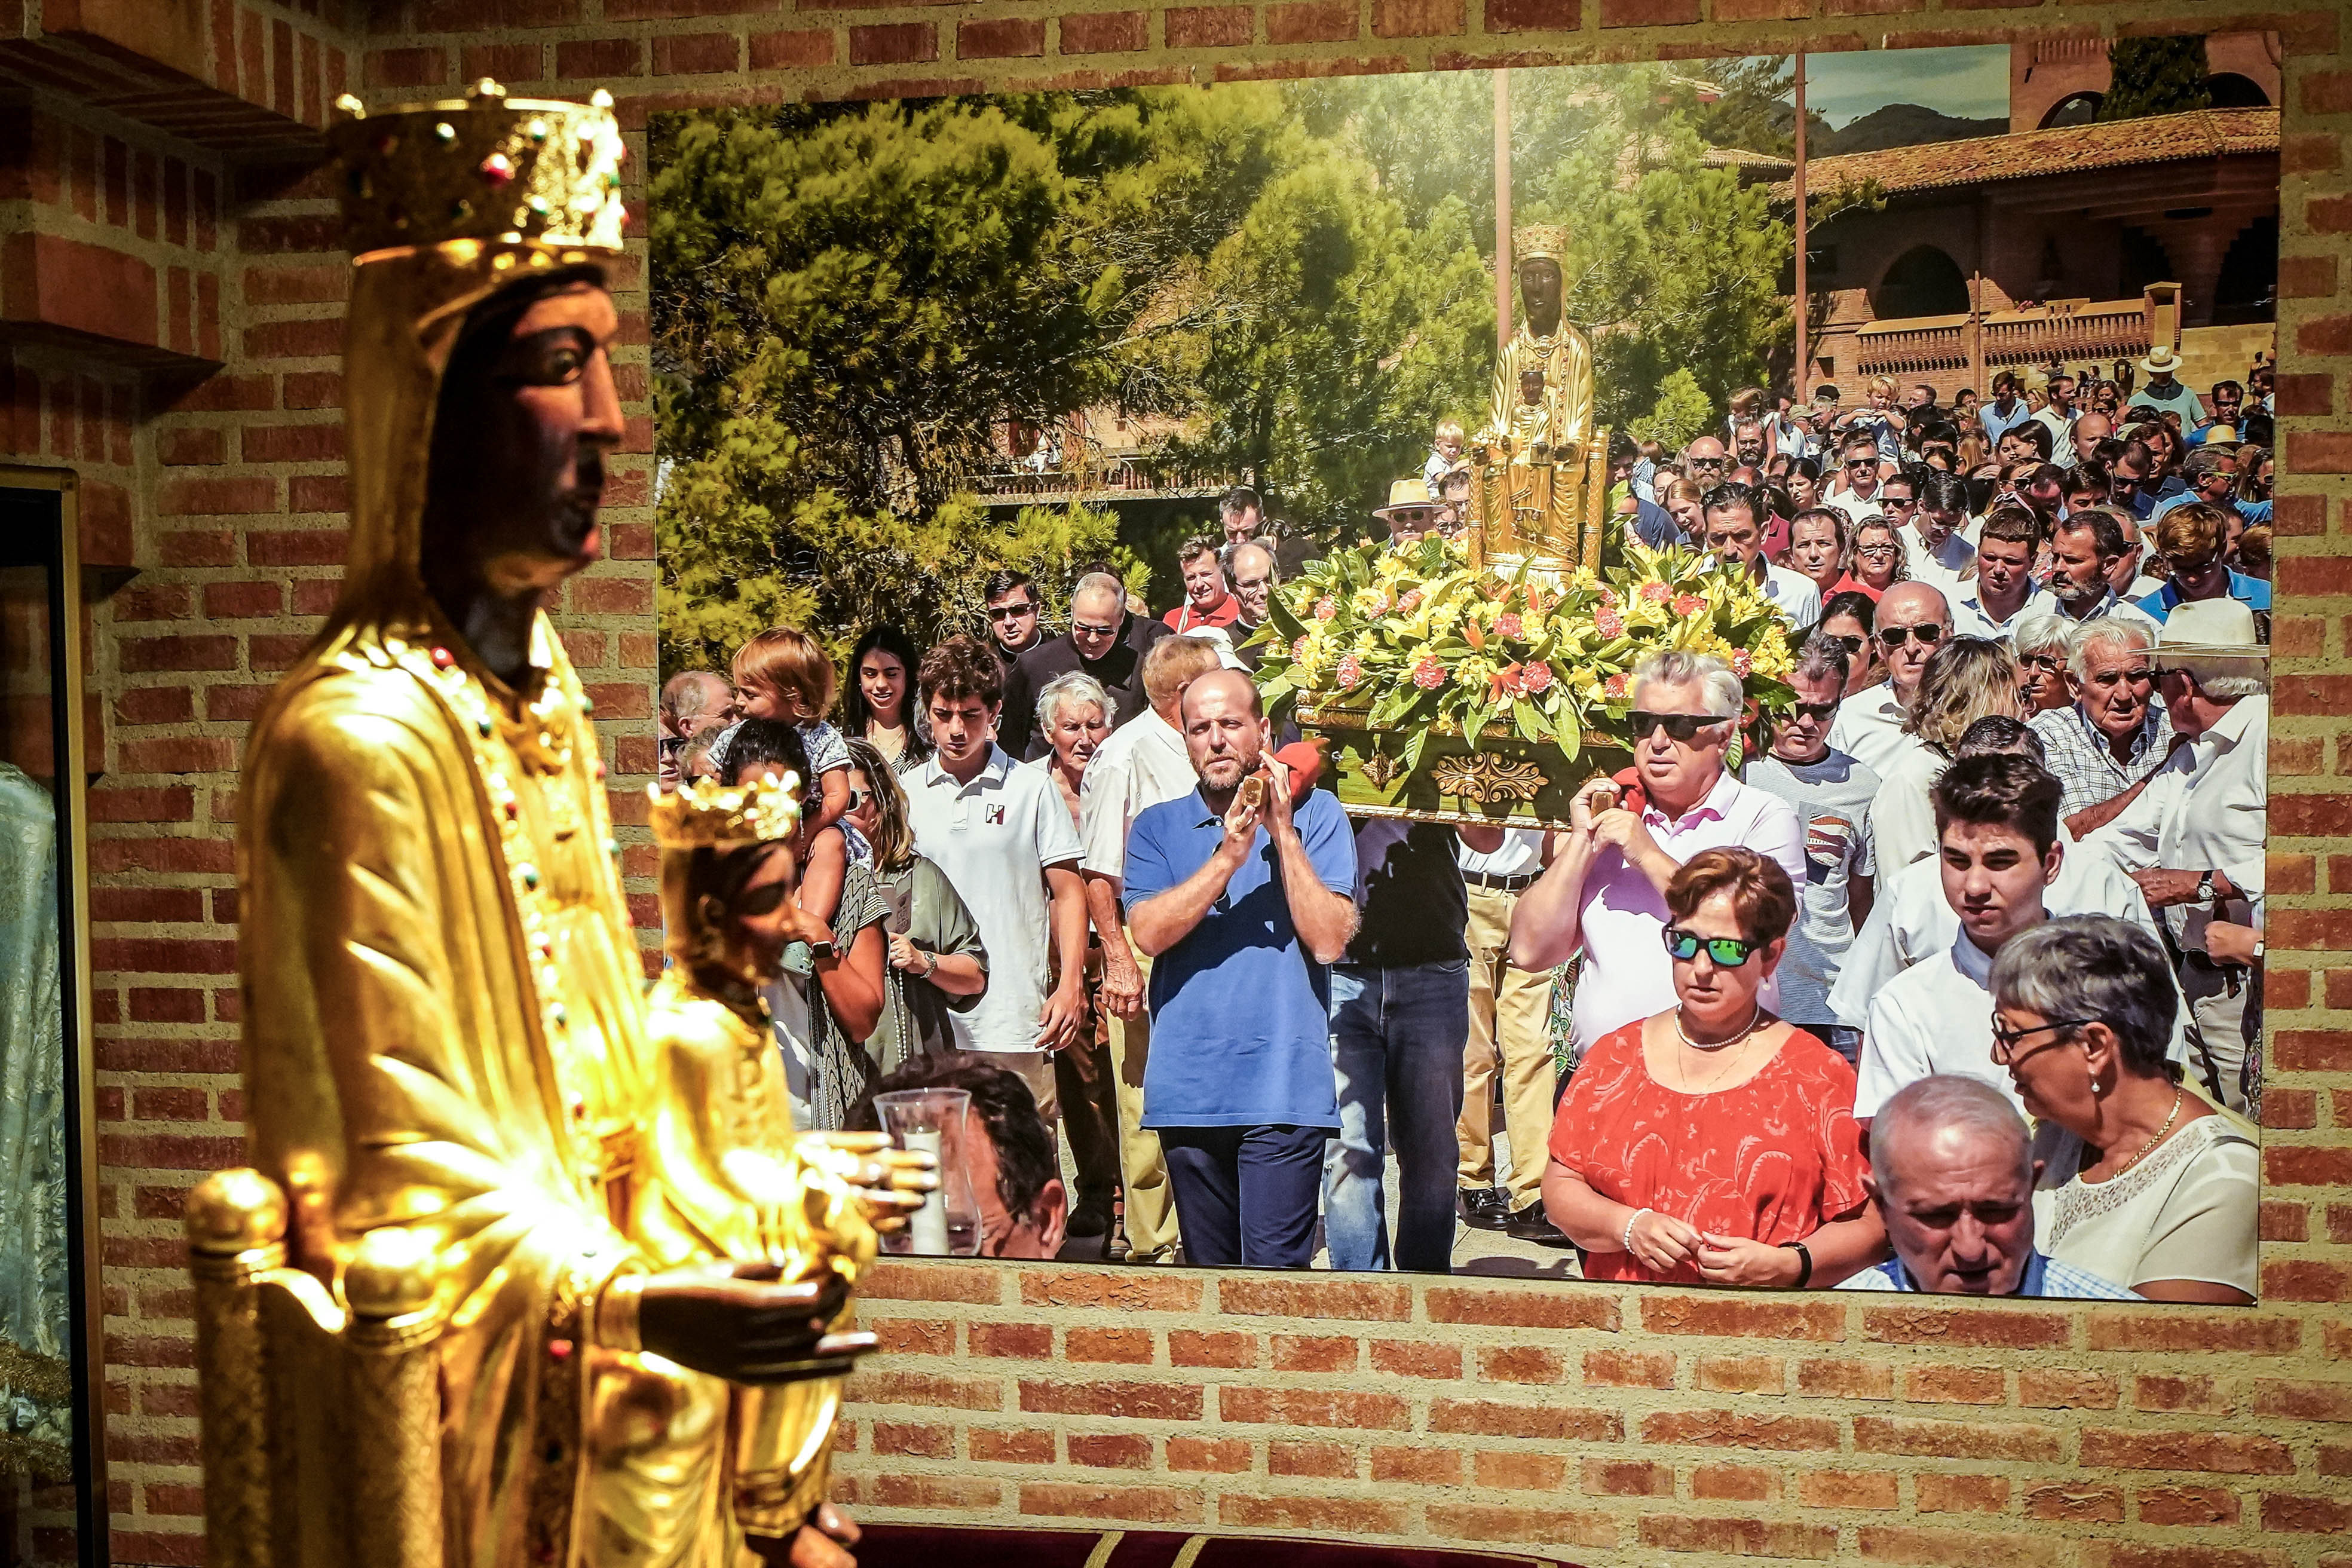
(1241, 907)
(2193, 542)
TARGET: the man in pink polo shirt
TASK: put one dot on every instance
(1604, 891)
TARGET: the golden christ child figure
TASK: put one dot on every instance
(733, 1182)
(431, 1329)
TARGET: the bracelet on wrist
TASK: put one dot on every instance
(1637, 1214)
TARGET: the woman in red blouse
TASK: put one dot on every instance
(1714, 1144)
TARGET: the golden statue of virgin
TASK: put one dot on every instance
(1539, 467)
(434, 1324)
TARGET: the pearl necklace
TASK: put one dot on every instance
(1726, 1046)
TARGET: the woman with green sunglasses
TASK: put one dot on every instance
(1715, 1144)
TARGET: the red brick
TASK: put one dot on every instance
(1111, 1452)
(2310, 394)
(1145, 1401)
(147, 906)
(914, 1336)
(2075, 1503)
(1308, 1407)
(1313, 1513)
(1629, 1369)
(1329, 1460)
(2007, 1329)
(1411, 1358)
(1416, 18)
(1005, 37)
(2303, 1401)
(297, 547)
(293, 443)
(2319, 451)
(1733, 1483)
(1648, 13)
(1146, 1505)
(921, 1388)
(2187, 1505)
(142, 654)
(1130, 1345)
(1522, 1306)
(191, 445)
(2306, 277)
(1493, 1419)
(295, 340)
(1626, 1477)
(1028, 1342)
(1521, 1364)
(791, 50)
(190, 496)
(1191, 1347)
(695, 54)
(239, 601)
(1311, 22)
(2050, 1388)
(115, 804)
(1321, 1296)
(599, 58)
(155, 601)
(176, 1004)
(1841, 1378)
(894, 43)
(1740, 1537)
(1025, 1447)
(1327, 1352)
(1746, 1318)
(501, 62)
(2224, 1452)
(1957, 1384)
(1218, 1455)
(1534, 15)
(1958, 1439)
(1847, 1489)
(1417, 1466)
(1208, 26)
(1896, 1544)
(2176, 1331)
(930, 1492)
(1106, 33)
(1938, 1493)
(1517, 1471)
(1724, 1429)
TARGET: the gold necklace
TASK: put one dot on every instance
(2152, 1142)
(1736, 1044)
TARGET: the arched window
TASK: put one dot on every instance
(2228, 89)
(2247, 289)
(2075, 109)
(1924, 281)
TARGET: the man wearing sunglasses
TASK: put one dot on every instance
(1911, 619)
(1012, 604)
(1705, 463)
(2191, 540)
(1998, 850)
(2116, 732)
(1604, 891)
(1092, 645)
(1858, 497)
(1831, 793)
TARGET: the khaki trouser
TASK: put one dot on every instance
(2221, 1026)
(1508, 1000)
(1150, 1205)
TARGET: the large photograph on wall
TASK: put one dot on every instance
(1644, 673)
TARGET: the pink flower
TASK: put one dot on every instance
(1350, 672)
(1609, 597)
(1688, 604)
(1298, 651)
(1609, 624)
(1656, 593)
(1326, 607)
(1509, 625)
(1741, 663)
(1429, 675)
(1534, 678)
(1410, 602)
(1615, 689)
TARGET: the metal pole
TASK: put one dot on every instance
(1803, 369)
(1502, 209)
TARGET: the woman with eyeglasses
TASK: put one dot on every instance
(1879, 561)
(878, 706)
(2041, 645)
(938, 964)
(1714, 1144)
(2142, 1181)
(1846, 619)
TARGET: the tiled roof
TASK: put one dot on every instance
(2062, 150)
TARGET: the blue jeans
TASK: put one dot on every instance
(1244, 1196)
(1397, 1041)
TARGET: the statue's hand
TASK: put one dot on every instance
(740, 1323)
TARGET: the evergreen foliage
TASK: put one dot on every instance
(2155, 76)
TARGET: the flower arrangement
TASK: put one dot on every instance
(1414, 642)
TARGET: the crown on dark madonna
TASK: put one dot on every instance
(485, 167)
(707, 813)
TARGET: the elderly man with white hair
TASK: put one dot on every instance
(2192, 833)
(1604, 891)
(2115, 732)
(1952, 1173)
(1092, 645)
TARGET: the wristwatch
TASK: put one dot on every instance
(821, 950)
(2205, 888)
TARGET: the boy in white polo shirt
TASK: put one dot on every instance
(1005, 841)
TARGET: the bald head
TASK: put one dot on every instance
(1225, 731)
(1923, 618)
(695, 694)
(1951, 1171)
(1225, 686)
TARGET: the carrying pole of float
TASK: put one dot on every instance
(1502, 210)
(1799, 377)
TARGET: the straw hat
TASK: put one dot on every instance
(1405, 494)
(2210, 632)
(2160, 361)
(2221, 435)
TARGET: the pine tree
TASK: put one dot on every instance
(2155, 76)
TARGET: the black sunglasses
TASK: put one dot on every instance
(1010, 612)
(1814, 711)
(1728, 952)
(1683, 727)
(1893, 637)
(1849, 641)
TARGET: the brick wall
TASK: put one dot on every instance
(1617, 1424)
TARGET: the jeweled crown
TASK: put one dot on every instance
(1545, 241)
(485, 167)
(708, 814)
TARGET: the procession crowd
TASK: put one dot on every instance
(1953, 983)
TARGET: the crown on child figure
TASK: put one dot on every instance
(485, 167)
(707, 813)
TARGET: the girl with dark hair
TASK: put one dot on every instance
(879, 707)
(938, 963)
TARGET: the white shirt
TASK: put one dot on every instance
(1869, 729)
(1144, 764)
(2062, 436)
(1903, 817)
(1940, 567)
(1520, 855)
(1797, 595)
(1971, 619)
(995, 837)
(1933, 1017)
(2207, 808)
(1622, 914)
(1857, 509)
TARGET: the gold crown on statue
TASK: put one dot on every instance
(1539, 242)
(708, 813)
(484, 167)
